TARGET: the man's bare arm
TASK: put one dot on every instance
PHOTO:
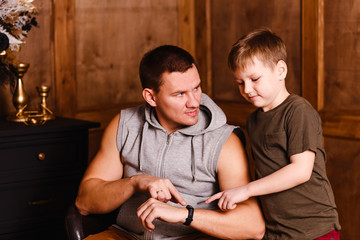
(246, 220)
(103, 189)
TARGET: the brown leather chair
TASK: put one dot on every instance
(79, 226)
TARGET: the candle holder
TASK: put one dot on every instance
(45, 114)
(20, 101)
(43, 91)
(20, 98)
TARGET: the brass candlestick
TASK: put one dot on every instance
(20, 98)
(43, 91)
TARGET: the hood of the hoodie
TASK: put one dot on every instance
(211, 117)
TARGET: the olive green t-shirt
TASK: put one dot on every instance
(306, 211)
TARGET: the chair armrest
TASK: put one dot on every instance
(79, 226)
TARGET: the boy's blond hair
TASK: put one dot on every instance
(260, 43)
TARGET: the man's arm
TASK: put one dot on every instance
(244, 222)
(103, 189)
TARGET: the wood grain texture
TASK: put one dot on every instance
(109, 46)
(64, 57)
(232, 20)
(313, 52)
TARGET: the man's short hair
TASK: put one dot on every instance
(166, 58)
(260, 43)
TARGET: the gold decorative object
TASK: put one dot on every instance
(43, 91)
(20, 101)
(20, 98)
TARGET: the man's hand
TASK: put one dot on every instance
(159, 188)
(154, 209)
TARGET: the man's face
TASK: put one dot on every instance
(178, 100)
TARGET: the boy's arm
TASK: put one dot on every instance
(297, 172)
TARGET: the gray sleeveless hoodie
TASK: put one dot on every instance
(188, 158)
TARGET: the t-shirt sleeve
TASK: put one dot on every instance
(303, 129)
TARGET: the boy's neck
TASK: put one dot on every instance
(279, 100)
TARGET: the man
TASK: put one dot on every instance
(172, 152)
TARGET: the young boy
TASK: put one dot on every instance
(286, 140)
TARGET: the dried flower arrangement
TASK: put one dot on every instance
(16, 19)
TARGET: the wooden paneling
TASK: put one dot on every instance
(343, 164)
(64, 57)
(186, 16)
(232, 20)
(313, 52)
(330, 72)
(203, 43)
(111, 39)
(342, 55)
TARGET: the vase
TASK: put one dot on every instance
(20, 98)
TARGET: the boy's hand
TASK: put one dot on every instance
(229, 198)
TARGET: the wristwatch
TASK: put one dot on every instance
(190, 215)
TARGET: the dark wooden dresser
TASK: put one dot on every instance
(40, 170)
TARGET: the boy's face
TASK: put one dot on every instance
(262, 85)
(178, 100)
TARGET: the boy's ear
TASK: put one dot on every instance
(148, 95)
(281, 69)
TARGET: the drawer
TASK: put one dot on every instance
(38, 204)
(40, 158)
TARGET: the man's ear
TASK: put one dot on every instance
(149, 96)
(281, 69)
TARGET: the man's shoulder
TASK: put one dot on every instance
(133, 112)
(132, 117)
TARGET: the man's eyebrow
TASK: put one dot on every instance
(182, 91)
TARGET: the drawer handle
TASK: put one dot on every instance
(41, 156)
(40, 202)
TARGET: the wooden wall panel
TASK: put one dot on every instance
(342, 55)
(64, 57)
(111, 39)
(232, 19)
(313, 52)
(343, 166)
(330, 61)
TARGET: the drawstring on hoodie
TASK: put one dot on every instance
(141, 148)
(193, 158)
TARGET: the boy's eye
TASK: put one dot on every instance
(255, 79)
(240, 83)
